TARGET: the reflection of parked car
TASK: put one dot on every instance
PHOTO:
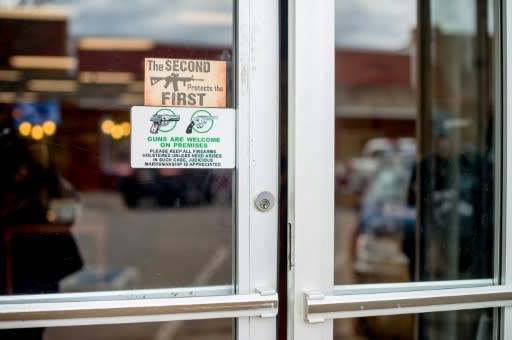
(387, 225)
(170, 187)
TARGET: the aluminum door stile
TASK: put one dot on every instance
(311, 160)
(257, 154)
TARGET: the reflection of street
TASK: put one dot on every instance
(151, 247)
(166, 247)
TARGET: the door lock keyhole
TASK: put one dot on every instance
(264, 201)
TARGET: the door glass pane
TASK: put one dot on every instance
(221, 329)
(415, 131)
(455, 325)
(74, 215)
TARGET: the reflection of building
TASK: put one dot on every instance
(91, 78)
(374, 98)
(97, 77)
(33, 33)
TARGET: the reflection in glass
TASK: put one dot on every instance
(74, 215)
(455, 174)
(455, 325)
(415, 153)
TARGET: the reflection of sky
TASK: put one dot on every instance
(359, 23)
(459, 16)
(161, 20)
(375, 24)
(372, 24)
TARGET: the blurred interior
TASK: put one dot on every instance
(415, 152)
(75, 216)
(68, 79)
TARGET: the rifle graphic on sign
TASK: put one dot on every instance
(174, 78)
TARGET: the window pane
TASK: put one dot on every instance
(415, 154)
(455, 325)
(74, 215)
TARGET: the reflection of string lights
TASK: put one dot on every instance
(37, 132)
(126, 128)
(114, 130)
(106, 126)
(49, 128)
(24, 129)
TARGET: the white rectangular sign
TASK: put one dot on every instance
(174, 137)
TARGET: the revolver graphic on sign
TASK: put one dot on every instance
(162, 120)
(199, 122)
(174, 78)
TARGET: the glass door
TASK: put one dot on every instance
(95, 243)
(397, 216)
(397, 193)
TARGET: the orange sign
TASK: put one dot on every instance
(184, 82)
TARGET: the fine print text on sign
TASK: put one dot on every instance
(174, 137)
(184, 82)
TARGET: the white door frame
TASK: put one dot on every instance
(310, 159)
(257, 152)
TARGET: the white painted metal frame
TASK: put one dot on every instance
(65, 313)
(255, 302)
(310, 159)
(257, 154)
(320, 307)
(374, 288)
(312, 295)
